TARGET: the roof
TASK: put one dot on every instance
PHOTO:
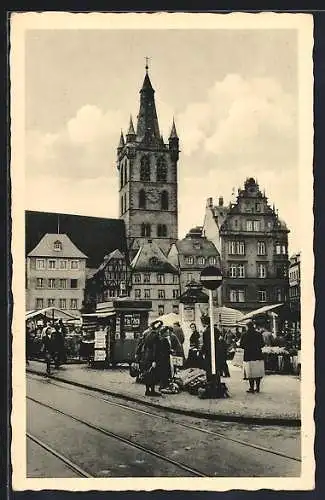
(94, 236)
(116, 254)
(46, 247)
(151, 258)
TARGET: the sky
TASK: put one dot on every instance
(233, 94)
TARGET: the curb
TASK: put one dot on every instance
(223, 417)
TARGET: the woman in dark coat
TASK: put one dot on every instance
(151, 356)
(194, 359)
(252, 343)
(220, 354)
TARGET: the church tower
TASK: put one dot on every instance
(148, 177)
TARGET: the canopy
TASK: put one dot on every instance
(50, 312)
(226, 316)
(259, 311)
(169, 319)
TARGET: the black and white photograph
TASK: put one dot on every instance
(162, 232)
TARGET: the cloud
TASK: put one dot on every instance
(242, 121)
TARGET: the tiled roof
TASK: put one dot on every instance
(94, 236)
(46, 247)
(152, 259)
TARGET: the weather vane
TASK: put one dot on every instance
(147, 63)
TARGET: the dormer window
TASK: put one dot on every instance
(57, 246)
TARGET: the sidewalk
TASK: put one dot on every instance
(278, 403)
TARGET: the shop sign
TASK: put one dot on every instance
(132, 320)
(189, 313)
(99, 355)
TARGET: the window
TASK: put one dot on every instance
(212, 260)
(189, 277)
(241, 271)
(63, 264)
(278, 294)
(63, 303)
(278, 249)
(74, 264)
(122, 177)
(189, 260)
(145, 169)
(73, 283)
(249, 225)
(175, 279)
(237, 295)
(52, 264)
(51, 283)
(40, 264)
(160, 278)
(145, 230)
(201, 260)
(125, 173)
(261, 270)
(175, 293)
(137, 293)
(161, 310)
(236, 247)
(147, 293)
(137, 278)
(73, 304)
(261, 249)
(161, 294)
(63, 283)
(164, 200)
(142, 199)
(257, 207)
(284, 249)
(57, 246)
(162, 230)
(146, 278)
(175, 309)
(161, 170)
(39, 303)
(256, 225)
(261, 295)
(50, 302)
(233, 271)
(39, 283)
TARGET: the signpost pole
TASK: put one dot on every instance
(213, 346)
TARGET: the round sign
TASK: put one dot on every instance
(211, 277)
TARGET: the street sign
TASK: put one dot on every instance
(211, 277)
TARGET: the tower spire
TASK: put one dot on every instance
(121, 143)
(173, 133)
(130, 136)
(147, 125)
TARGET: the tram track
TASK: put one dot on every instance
(74, 467)
(220, 435)
(121, 439)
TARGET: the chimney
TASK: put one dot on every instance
(209, 203)
(220, 201)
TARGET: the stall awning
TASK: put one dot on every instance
(259, 311)
(50, 312)
(226, 316)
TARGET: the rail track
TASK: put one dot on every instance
(109, 401)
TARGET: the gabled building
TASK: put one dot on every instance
(147, 169)
(155, 278)
(253, 243)
(191, 255)
(112, 279)
(55, 274)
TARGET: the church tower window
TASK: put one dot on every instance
(162, 230)
(145, 169)
(125, 173)
(164, 200)
(142, 199)
(161, 170)
(145, 229)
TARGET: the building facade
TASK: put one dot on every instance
(55, 275)
(294, 287)
(155, 278)
(111, 280)
(191, 255)
(147, 169)
(253, 244)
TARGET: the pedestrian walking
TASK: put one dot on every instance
(151, 356)
(47, 348)
(253, 364)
